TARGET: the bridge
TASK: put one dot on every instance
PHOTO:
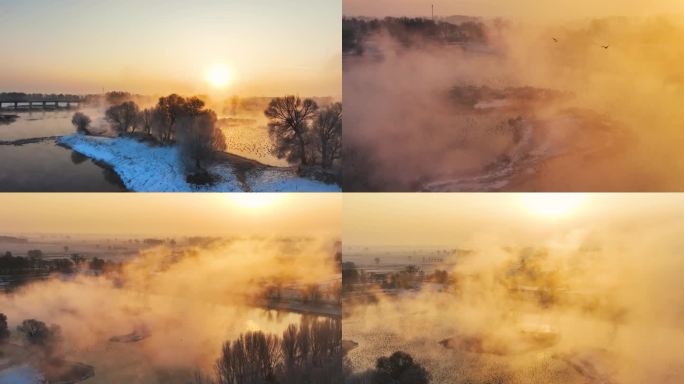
(39, 104)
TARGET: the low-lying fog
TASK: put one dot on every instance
(168, 310)
(592, 105)
(599, 304)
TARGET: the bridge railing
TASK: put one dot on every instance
(42, 104)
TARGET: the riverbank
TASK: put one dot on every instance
(146, 168)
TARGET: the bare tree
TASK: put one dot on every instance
(310, 353)
(251, 359)
(145, 119)
(81, 122)
(327, 132)
(161, 124)
(37, 333)
(199, 137)
(170, 109)
(289, 123)
(304, 339)
(123, 116)
(290, 347)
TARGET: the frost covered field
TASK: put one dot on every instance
(248, 137)
(144, 168)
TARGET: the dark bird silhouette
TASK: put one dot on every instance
(605, 46)
(555, 40)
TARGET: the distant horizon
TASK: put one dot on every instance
(206, 46)
(523, 10)
(515, 19)
(165, 94)
(138, 236)
(439, 219)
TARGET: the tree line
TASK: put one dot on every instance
(408, 277)
(409, 31)
(301, 132)
(34, 333)
(173, 120)
(34, 262)
(310, 353)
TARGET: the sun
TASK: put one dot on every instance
(219, 76)
(553, 205)
(253, 201)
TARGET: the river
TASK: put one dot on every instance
(43, 166)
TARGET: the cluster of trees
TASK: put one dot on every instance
(398, 368)
(409, 277)
(303, 133)
(308, 354)
(174, 120)
(38, 333)
(34, 332)
(160, 122)
(439, 277)
(308, 294)
(82, 123)
(34, 262)
(409, 31)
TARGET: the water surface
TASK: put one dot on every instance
(44, 166)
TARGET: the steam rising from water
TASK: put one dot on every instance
(598, 306)
(188, 300)
(616, 124)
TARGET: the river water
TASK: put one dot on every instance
(44, 166)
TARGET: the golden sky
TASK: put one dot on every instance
(269, 47)
(523, 9)
(172, 214)
(437, 219)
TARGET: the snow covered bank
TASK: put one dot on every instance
(280, 180)
(146, 168)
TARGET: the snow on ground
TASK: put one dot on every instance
(282, 180)
(146, 168)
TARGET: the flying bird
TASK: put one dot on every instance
(555, 40)
(605, 46)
